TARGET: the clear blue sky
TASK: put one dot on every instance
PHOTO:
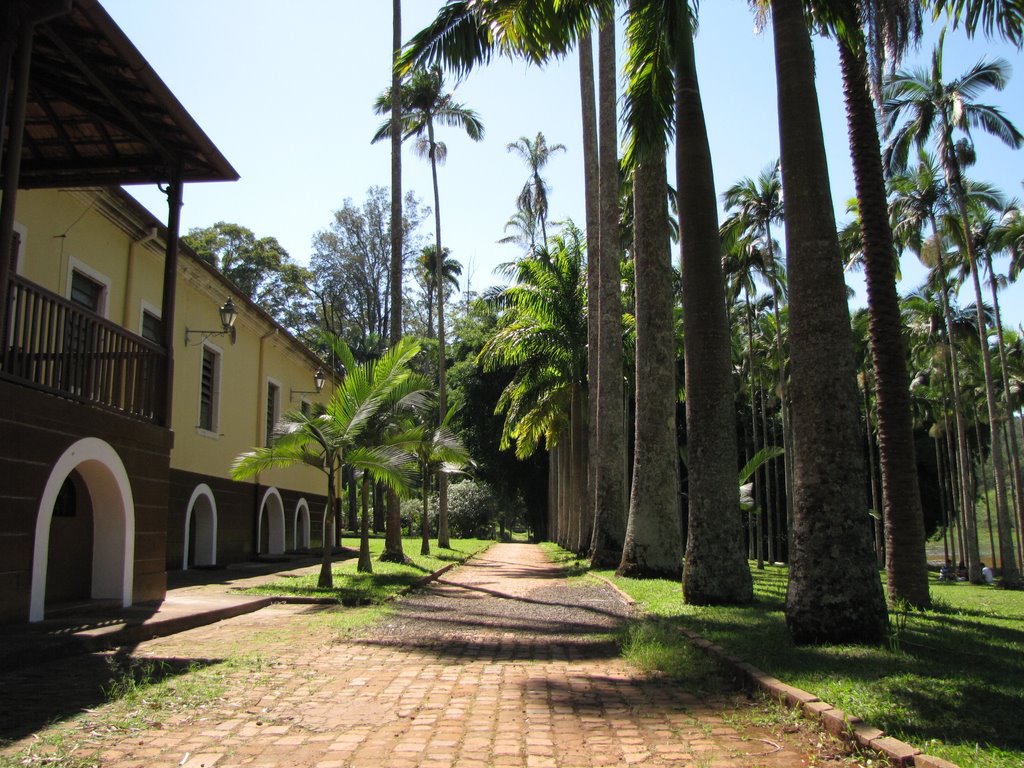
(287, 95)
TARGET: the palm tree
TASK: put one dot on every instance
(919, 199)
(339, 434)
(609, 459)
(898, 25)
(986, 237)
(523, 226)
(1003, 16)
(397, 233)
(438, 451)
(465, 34)
(758, 205)
(542, 333)
(425, 104)
(452, 271)
(534, 195)
(396, 174)
(1010, 237)
(931, 107)
(663, 97)
(592, 208)
(743, 258)
(830, 598)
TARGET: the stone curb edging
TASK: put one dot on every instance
(835, 721)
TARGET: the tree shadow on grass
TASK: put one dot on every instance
(43, 694)
(951, 677)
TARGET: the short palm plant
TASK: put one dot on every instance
(340, 433)
(439, 451)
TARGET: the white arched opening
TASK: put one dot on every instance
(113, 536)
(202, 513)
(302, 525)
(273, 507)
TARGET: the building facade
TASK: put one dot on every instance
(118, 424)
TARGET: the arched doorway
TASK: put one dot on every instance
(302, 525)
(270, 524)
(101, 484)
(200, 529)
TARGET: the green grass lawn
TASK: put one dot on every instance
(387, 579)
(951, 682)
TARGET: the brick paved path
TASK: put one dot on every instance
(501, 663)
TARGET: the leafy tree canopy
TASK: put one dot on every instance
(259, 267)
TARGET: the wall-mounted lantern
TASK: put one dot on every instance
(319, 378)
(228, 316)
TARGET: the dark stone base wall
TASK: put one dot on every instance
(35, 430)
(237, 510)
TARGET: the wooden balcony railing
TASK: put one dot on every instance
(59, 347)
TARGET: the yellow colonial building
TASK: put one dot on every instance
(124, 395)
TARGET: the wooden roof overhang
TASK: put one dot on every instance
(98, 114)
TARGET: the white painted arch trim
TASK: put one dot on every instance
(275, 522)
(113, 506)
(206, 528)
(301, 536)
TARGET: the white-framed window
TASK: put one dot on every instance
(151, 327)
(273, 409)
(88, 287)
(209, 391)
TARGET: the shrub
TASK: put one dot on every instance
(412, 510)
(473, 509)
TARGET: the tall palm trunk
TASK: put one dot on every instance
(443, 540)
(350, 483)
(612, 479)
(769, 499)
(940, 470)
(781, 387)
(1011, 431)
(326, 578)
(984, 486)
(425, 519)
(906, 563)
(716, 568)
(970, 528)
(591, 181)
(578, 469)
(1007, 557)
(365, 563)
(757, 485)
(393, 536)
(653, 545)
(781, 513)
(564, 487)
(552, 530)
(581, 459)
(834, 593)
(876, 505)
(956, 497)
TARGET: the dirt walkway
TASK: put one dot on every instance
(501, 663)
